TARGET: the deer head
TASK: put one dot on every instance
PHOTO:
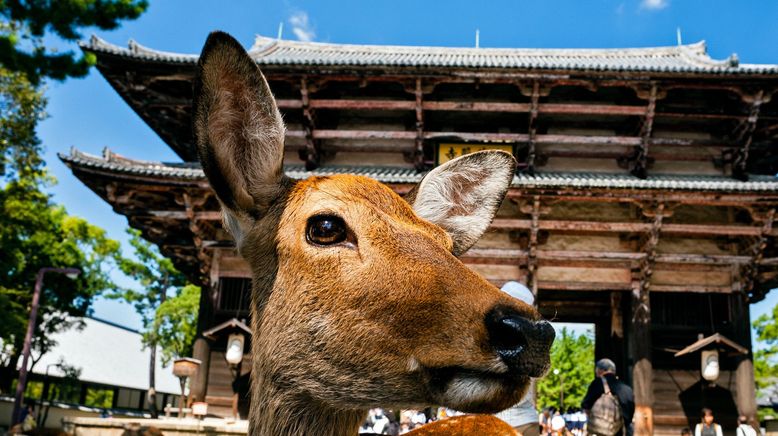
(359, 299)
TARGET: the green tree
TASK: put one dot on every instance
(573, 356)
(36, 233)
(175, 323)
(27, 23)
(22, 105)
(158, 279)
(766, 356)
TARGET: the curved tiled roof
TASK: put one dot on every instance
(191, 171)
(690, 58)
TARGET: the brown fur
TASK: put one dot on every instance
(467, 425)
(387, 317)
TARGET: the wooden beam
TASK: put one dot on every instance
(633, 227)
(701, 289)
(513, 256)
(746, 136)
(583, 109)
(550, 139)
(582, 286)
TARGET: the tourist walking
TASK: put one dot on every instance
(523, 416)
(609, 404)
(707, 427)
(743, 429)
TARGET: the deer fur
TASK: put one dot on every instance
(386, 317)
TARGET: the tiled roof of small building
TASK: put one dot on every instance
(191, 171)
(689, 58)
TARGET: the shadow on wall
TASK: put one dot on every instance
(718, 399)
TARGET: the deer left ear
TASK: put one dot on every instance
(463, 195)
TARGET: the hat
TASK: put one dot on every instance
(518, 291)
(557, 423)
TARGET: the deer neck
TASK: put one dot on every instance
(276, 411)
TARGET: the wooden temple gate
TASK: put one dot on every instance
(644, 202)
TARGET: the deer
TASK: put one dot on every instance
(359, 299)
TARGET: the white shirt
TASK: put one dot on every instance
(522, 413)
(745, 430)
(698, 429)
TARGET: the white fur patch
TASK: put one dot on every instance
(234, 225)
(469, 389)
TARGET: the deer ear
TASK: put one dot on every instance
(238, 131)
(463, 195)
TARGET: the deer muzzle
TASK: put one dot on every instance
(522, 344)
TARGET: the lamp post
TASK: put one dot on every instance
(184, 368)
(71, 273)
(561, 389)
(234, 357)
(45, 394)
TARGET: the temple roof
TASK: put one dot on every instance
(689, 58)
(398, 175)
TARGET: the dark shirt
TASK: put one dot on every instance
(618, 389)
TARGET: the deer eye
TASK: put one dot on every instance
(326, 230)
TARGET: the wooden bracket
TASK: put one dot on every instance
(312, 152)
(418, 158)
(533, 117)
(639, 169)
(744, 134)
(750, 270)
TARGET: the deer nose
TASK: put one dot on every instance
(521, 343)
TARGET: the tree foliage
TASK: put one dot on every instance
(175, 323)
(157, 278)
(27, 23)
(22, 105)
(573, 356)
(35, 233)
(163, 299)
(766, 356)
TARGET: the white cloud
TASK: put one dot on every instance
(654, 4)
(301, 26)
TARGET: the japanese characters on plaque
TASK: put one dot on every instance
(448, 151)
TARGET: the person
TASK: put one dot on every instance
(743, 429)
(606, 369)
(707, 427)
(27, 417)
(522, 416)
(559, 426)
(381, 422)
(545, 421)
(686, 432)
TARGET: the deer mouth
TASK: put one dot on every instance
(476, 391)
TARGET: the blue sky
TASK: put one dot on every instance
(89, 115)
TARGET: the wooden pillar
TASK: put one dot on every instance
(642, 369)
(745, 389)
(640, 332)
(199, 383)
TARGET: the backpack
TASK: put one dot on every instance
(605, 418)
